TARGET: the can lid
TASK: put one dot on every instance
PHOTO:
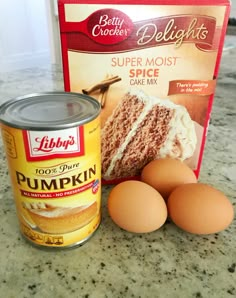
(49, 111)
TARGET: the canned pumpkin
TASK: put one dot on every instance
(52, 143)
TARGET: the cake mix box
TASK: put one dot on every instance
(153, 66)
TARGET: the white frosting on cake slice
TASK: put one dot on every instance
(181, 140)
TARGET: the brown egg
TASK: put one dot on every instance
(166, 174)
(137, 207)
(200, 209)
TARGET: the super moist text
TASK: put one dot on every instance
(172, 33)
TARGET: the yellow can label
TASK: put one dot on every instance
(56, 178)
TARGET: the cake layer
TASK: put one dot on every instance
(118, 126)
(145, 144)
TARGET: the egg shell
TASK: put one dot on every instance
(166, 174)
(200, 209)
(137, 207)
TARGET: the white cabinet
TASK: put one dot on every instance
(24, 40)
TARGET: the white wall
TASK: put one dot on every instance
(233, 9)
(53, 31)
(24, 38)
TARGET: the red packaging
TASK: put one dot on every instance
(153, 66)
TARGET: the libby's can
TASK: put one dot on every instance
(52, 143)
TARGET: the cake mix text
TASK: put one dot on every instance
(144, 71)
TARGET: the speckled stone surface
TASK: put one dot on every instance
(114, 263)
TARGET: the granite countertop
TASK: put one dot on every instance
(115, 263)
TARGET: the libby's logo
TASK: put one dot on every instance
(47, 144)
(41, 145)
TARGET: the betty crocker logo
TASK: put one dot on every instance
(104, 26)
(109, 26)
(41, 145)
